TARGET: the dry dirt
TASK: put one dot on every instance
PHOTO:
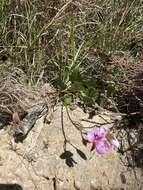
(41, 162)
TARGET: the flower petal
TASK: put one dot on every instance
(96, 134)
(101, 132)
(115, 143)
(103, 146)
(91, 137)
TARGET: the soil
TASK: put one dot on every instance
(43, 162)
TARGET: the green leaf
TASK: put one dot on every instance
(73, 64)
(76, 76)
(68, 100)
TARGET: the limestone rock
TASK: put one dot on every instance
(43, 161)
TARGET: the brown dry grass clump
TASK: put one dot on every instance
(17, 96)
(128, 74)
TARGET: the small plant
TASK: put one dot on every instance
(71, 80)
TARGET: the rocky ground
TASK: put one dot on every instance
(43, 162)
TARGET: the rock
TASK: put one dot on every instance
(44, 162)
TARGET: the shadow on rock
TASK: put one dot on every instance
(68, 157)
(130, 102)
(131, 140)
(81, 154)
(10, 187)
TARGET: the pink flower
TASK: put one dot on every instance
(102, 140)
